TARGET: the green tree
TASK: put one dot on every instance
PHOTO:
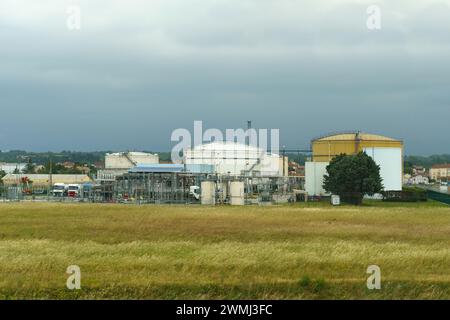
(2, 174)
(58, 168)
(353, 176)
(29, 168)
(408, 167)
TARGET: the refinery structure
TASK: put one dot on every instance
(219, 172)
(211, 173)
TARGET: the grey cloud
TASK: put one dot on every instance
(135, 72)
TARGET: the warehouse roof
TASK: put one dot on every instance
(160, 168)
(441, 166)
(132, 153)
(45, 178)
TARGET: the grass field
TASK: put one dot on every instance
(301, 251)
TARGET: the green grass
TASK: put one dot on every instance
(301, 251)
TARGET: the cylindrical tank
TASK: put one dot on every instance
(208, 193)
(237, 193)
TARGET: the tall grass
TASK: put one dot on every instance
(194, 252)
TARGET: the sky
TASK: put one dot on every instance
(134, 71)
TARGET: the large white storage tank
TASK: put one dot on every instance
(237, 193)
(231, 158)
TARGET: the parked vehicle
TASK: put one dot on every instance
(73, 190)
(194, 191)
(59, 190)
(86, 190)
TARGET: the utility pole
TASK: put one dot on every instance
(50, 178)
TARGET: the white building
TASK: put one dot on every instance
(127, 160)
(236, 159)
(119, 163)
(416, 179)
(420, 179)
(11, 167)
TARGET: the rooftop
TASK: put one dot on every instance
(441, 166)
(352, 135)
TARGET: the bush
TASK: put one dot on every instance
(408, 194)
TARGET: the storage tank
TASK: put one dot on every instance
(237, 195)
(232, 158)
(386, 152)
(208, 192)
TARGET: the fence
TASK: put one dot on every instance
(439, 196)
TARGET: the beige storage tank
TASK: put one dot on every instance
(237, 193)
(208, 193)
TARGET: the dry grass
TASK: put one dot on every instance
(193, 252)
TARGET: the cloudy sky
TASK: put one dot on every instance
(137, 70)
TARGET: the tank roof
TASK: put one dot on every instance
(225, 146)
(353, 135)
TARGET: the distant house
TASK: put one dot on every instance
(419, 170)
(296, 169)
(407, 178)
(43, 180)
(419, 179)
(68, 164)
(415, 179)
(84, 169)
(440, 172)
(99, 165)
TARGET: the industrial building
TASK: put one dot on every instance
(225, 173)
(127, 160)
(119, 163)
(218, 172)
(386, 152)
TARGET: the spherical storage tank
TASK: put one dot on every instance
(386, 152)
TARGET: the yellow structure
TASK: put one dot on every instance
(326, 148)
